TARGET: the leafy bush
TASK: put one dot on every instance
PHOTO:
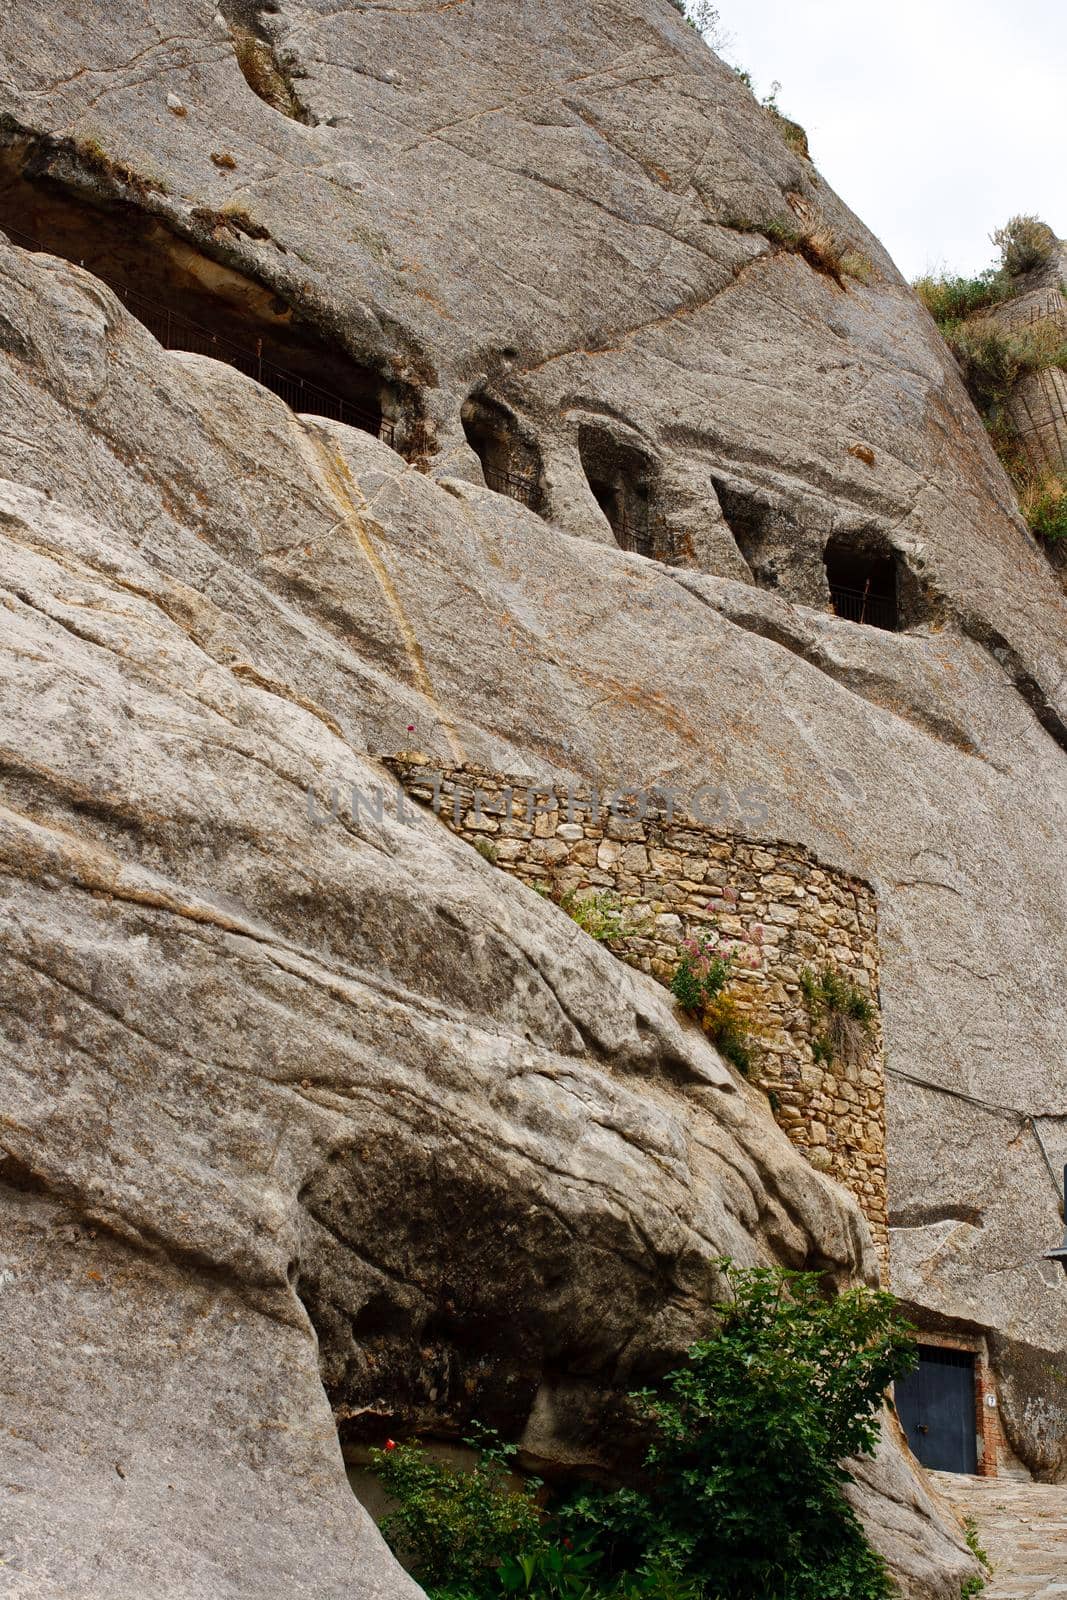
(740, 1494)
(453, 1528)
(742, 1488)
(1024, 243)
(843, 1012)
(992, 357)
(950, 299)
(702, 972)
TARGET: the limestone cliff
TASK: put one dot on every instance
(258, 1068)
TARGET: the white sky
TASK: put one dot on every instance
(934, 121)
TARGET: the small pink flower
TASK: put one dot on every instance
(390, 1444)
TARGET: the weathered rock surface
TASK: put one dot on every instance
(250, 1062)
(350, 1068)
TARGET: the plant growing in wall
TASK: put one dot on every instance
(841, 1012)
(602, 916)
(699, 985)
(703, 972)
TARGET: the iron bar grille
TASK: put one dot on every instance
(517, 485)
(175, 331)
(858, 605)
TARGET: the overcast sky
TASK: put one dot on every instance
(935, 120)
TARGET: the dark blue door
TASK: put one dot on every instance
(935, 1404)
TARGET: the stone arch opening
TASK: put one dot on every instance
(191, 301)
(511, 461)
(864, 581)
(624, 480)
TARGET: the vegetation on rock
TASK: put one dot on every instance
(740, 1491)
(993, 357)
(1024, 242)
(704, 17)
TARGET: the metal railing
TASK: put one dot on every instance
(517, 485)
(175, 331)
(860, 605)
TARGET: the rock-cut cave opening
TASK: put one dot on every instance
(191, 302)
(623, 480)
(511, 462)
(864, 584)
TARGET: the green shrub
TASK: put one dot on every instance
(950, 299)
(488, 850)
(453, 1528)
(1024, 243)
(993, 357)
(742, 1484)
(842, 1010)
(702, 972)
(740, 1493)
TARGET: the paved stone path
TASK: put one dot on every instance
(1023, 1527)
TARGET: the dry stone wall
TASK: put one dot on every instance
(1038, 401)
(679, 877)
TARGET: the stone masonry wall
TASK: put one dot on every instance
(678, 877)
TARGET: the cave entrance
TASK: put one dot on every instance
(511, 463)
(623, 480)
(189, 301)
(863, 584)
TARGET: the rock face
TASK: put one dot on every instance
(256, 1068)
(284, 1096)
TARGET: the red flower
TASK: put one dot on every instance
(567, 1545)
(411, 727)
(390, 1444)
